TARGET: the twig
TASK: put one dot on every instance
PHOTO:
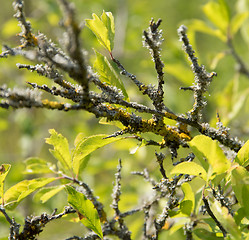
(202, 78)
(115, 200)
(2, 210)
(153, 40)
(73, 43)
(242, 68)
(28, 38)
(160, 157)
(224, 232)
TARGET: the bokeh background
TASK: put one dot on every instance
(22, 132)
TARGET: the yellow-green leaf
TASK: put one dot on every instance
(218, 14)
(88, 214)
(240, 185)
(10, 28)
(14, 195)
(4, 170)
(226, 220)
(37, 166)
(204, 234)
(46, 193)
(219, 56)
(188, 203)
(197, 25)
(190, 168)
(243, 155)
(182, 73)
(107, 73)
(85, 146)
(206, 148)
(237, 21)
(103, 29)
(61, 149)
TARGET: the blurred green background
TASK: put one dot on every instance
(22, 132)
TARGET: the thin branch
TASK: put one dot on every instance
(209, 211)
(242, 68)
(28, 38)
(202, 78)
(2, 210)
(73, 42)
(160, 157)
(115, 200)
(153, 40)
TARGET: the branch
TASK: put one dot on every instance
(202, 78)
(242, 68)
(153, 40)
(224, 232)
(72, 42)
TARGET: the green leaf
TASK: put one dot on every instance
(14, 195)
(117, 124)
(188, 203)
(179, 224)
(190, 168)
(237, 21)
(240, 185)
(107, 73)
(218, 14)
(238, 104)
(10, 28)
(206, 148)
(4, 170)
(46, 193)
(38, 166)
(206, 235)
(85, 146)
(226, 220)
(216, 59)
(87, 213)
(239, 215)
(181, 72)
(200, 26)
(61, 149)
(103, 29)
(242, 157)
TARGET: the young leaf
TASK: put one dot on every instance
(226, 220)
(190, 168)
(239, 102)
(87, 213)
(197, 25)
(103, 29)
(85, 146)
(107, 73)
(205, 147)
(188, 203)
(178, 225)
(46, 193)
(218, 14)
(4, 170)
(61, 149)
(14, 195)
(240, 185)
(182, 73)
(206, 235)
(37, 166)
(242, 157)
(216, 59)
(237, 21)
(117, 124)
